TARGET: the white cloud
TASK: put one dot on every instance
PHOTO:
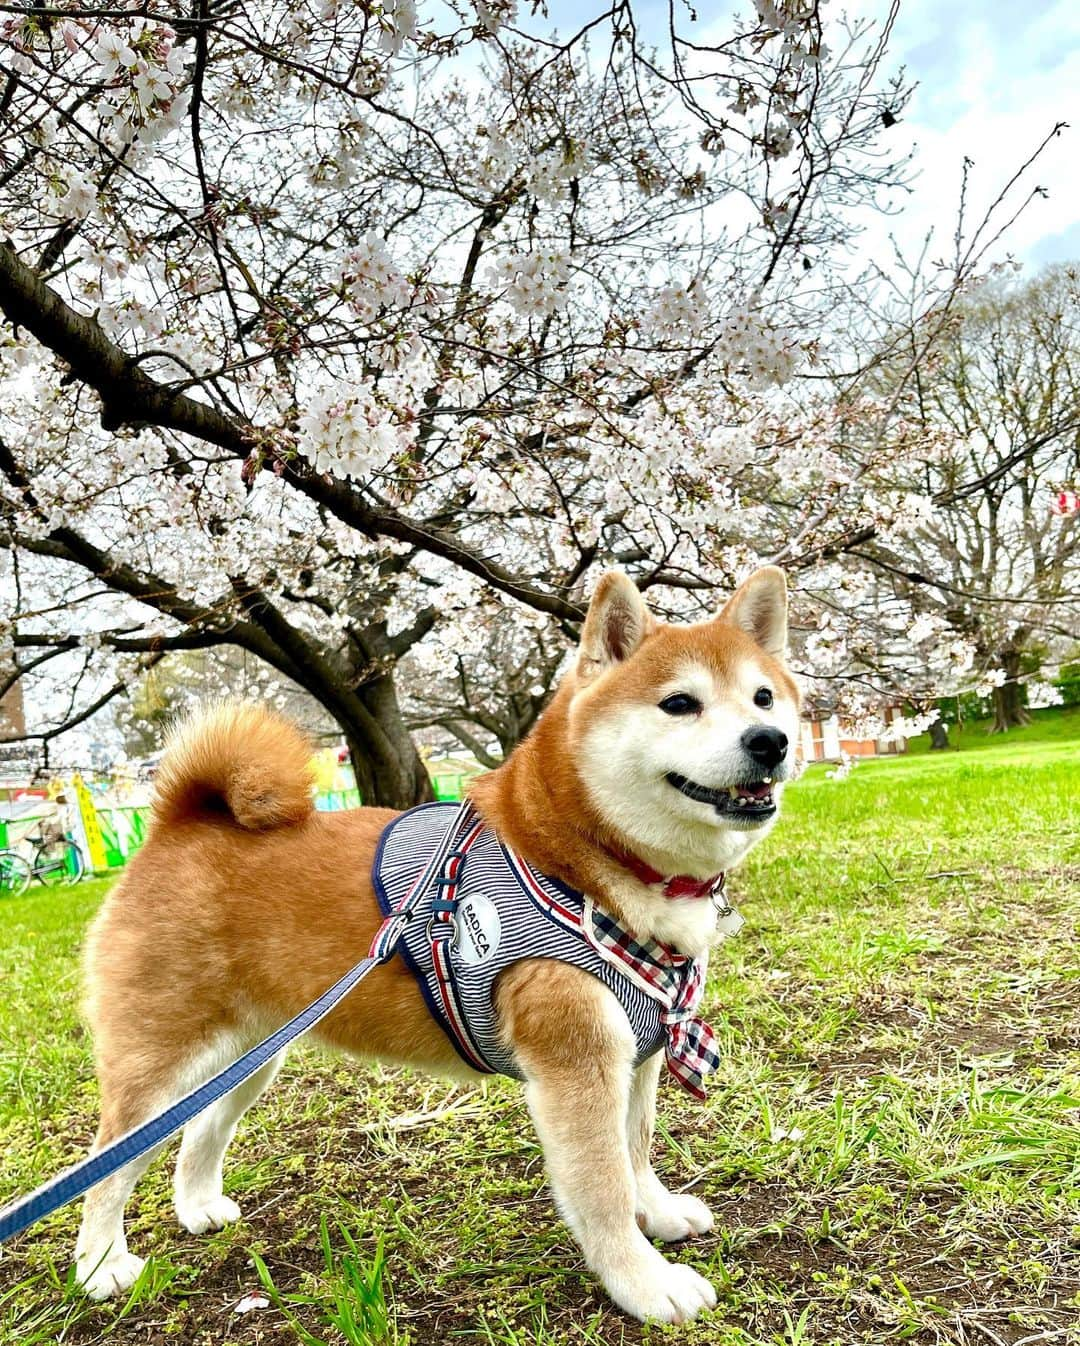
(994, 77)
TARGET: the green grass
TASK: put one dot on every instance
(892, 1144)
(1052, 726)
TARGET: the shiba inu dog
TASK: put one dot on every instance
(657, 765)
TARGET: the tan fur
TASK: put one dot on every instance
(235, 761)
(215, 928)
(245, 904)
(538, 800)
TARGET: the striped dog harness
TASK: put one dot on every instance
(488, 909)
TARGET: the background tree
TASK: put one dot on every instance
(182, 681)
(990, 556)
(483, 685)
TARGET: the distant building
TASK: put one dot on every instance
(18, 757)
(824, 738)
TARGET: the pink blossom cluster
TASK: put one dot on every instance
(350, 435)
(681, 309)
(765, 353)
(144, 71)
(370, 280)
(535, 283)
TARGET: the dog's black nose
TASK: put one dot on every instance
(765, 745)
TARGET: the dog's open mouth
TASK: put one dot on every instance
(753, 802)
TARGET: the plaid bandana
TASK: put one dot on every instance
(673, 979)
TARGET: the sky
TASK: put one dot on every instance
(993, 78)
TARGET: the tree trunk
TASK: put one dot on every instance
(1009, 708)
(389, 771)
(939, 736)
(388, 767)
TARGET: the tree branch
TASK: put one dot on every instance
(405, 640)
(462, 735)
(130, 397)
(70, 722)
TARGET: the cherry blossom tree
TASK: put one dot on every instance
(480, 685)
(341, 335)
(984, 561)
(183, 681)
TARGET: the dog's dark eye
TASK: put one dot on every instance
(680, 704)
(763, 698)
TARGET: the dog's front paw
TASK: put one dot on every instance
(672, 1216)
(108, 1276)
(667, 1292)
(199, 1217)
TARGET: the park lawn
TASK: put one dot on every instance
(1053, 726)
(891, 1146)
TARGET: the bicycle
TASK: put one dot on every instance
(54, 863)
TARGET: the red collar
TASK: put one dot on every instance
(675, 885)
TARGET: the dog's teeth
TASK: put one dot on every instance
(733, 791)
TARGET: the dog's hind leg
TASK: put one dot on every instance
(103, 1265)
(200, 1203)
(136, 1084)
(661, 1214)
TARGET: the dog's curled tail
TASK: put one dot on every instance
(235, 760)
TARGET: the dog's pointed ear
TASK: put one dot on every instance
(759, 607)
(615, 625)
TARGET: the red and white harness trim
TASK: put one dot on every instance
(442, 872)
(440, 931)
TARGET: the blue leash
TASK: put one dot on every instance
(74, 1181)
